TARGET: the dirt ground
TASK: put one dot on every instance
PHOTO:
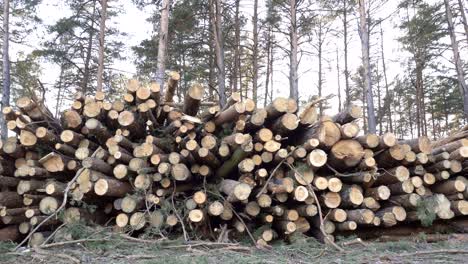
(303, 250)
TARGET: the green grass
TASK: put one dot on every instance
(5, 247)
(302, 250)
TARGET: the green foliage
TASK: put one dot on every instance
(189, 44)
(425, 211)
(73, 46)
(25, 74)
(423, 32)
(5, 247)
(79, 230)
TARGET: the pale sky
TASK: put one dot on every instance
(133, 22)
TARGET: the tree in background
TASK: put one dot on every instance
(102, 33)
(342, 9)
(456, 57)
(296, 17)
(189, 43)
(463, 16)
(364, 35)
(162, 43)
(320, 38)
(388, 94)
(217, 24)
(271, 21)
(74, 45)
(422, 34)
(255, 53)
(6, 66)
(19, 20)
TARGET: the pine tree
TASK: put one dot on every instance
(74, 46)
(422, 34)
(19, 20)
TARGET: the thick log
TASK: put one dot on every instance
(230, 115)
(391, 157)
(48, 205)
(235, 191)
(9, 233)
(401, 187)
(360, 216)
(349, 114)
(326, 131)
(349, 130)
(387, 140)
(129, 121)
(171, 86)
(111, 187)
(421, 144)
(10, 199)
(459, 207)
(309, 115)
(192, 99)
(449, 186)
(459, 154)
(10, 182)
(450, 147)
(369, 141)
(439, 166)
(277, 107)
(180, 172)
(29, 186)
(71, 137)
(98, 130)
(378, 193)
(12, 149)
(345, 154)
(394, 175)
(98, 165)
(351, 196)
(228, 166)
(285, 124)
(317, 158)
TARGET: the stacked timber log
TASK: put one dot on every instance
(146, 161)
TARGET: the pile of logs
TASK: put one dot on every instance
(205, 171)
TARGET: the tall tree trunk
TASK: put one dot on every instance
(400, 111)
(212, 58)
(434, 130)
(364, 110)
(89, 50)
(446, 115)
(219, 49)
(59, 92)
(272, 58)
(345, 42)
(6, 66)
(268, 69)
(464, 20)
(379, 102)
(237, 69)
(419, 87)
(388, 97)
(320, 80)
(364, 34)
(456, 57)
(293, 63)
(102, 33)
(255, 51)
(338, 79)
(162, 43)
(410, 118)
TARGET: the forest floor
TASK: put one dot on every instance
(304, 250)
